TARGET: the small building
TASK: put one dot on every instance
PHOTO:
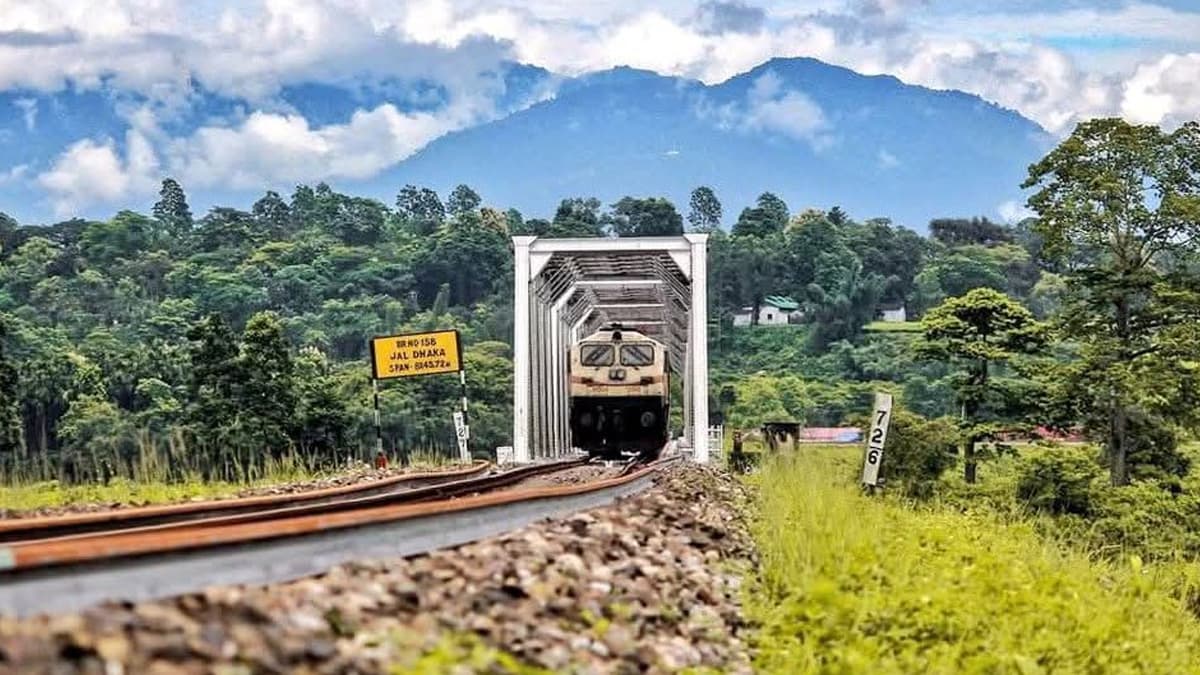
(893, 314)
(776, 310)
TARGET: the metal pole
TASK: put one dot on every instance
(378, 424)
(462, 381)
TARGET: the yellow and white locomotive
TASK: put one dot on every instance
(619, 394)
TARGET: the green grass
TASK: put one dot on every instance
(123, 491)
(891, 327)
(18, 494)
(851, 583)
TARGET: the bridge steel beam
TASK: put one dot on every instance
(565, 289)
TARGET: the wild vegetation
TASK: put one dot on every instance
(852, 583)
(213, 346)
(1044, 561)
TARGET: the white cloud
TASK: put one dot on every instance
(271, 149)
(13, 174)
(1014, 212)
(160, 48)
(250, 49)
(29, 110)
(1164, 92)
(788, 112)
(93, 171)
(887, 160)
(265, 149)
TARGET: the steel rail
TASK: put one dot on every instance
(445, 490)
(45, 577)
(24, 529)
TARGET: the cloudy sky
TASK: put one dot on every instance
(1055, 61)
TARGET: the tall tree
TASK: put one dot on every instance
(704, 210)
(894, 253)
(420, 209)
(273, 214)
(577, 217)
(226, 227)
(1119, 205)
(650, 217)
(775, 208)
(267, 395)
(841, 301)
(215, 374)
(12, 440)
(304, 205)
(171, 209)
(321, 415)
(463, 200)
(960, 231)
(357, 220)
(977, 332)
(768, 216)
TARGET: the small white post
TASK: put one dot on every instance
(881, 418)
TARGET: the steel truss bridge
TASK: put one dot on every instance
(566, 289)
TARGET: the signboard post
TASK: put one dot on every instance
(416, 354)
(881, 418)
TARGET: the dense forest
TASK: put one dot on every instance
(216, 344)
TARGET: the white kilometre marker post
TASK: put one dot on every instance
(881, 418)
(460, 432)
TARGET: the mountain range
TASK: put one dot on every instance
(815, 134)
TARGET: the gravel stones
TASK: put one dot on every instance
(649, 584)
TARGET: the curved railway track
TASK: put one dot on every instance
(64, 572)
(394, 490)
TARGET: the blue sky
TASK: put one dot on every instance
(1055, 61)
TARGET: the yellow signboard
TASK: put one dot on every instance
(415, 354)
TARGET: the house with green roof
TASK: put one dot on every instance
(776, 310)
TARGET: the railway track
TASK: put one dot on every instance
(65, 572)
(30, 529)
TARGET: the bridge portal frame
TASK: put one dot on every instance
(566, 288)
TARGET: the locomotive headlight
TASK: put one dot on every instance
(648, 419)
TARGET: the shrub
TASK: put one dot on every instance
(1058, 482)
(1155, 453)
(1146, 518)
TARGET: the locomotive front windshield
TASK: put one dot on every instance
(596, 355)
(637, 355)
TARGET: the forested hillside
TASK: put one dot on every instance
(218, 343)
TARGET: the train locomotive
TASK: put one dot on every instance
(619, 394)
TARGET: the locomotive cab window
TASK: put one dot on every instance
(637, 355)
(596, 355)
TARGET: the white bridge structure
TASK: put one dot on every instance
(565, 289)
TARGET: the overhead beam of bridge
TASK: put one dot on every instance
(565, 289)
